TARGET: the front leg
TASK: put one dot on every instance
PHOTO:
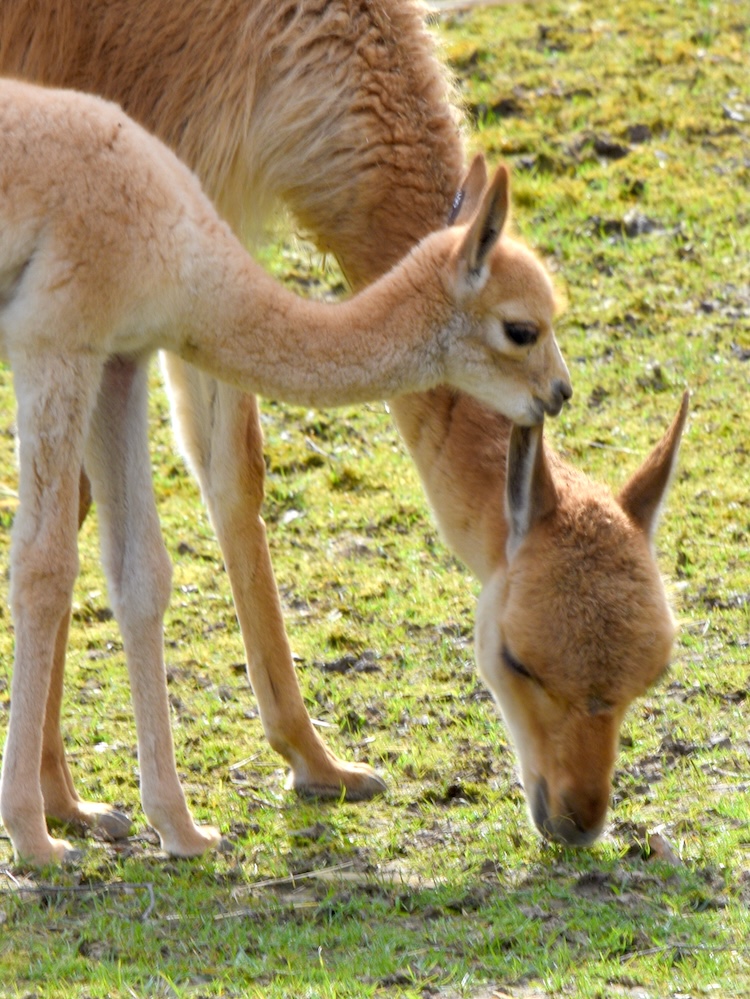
(315, 770)
(220, 432)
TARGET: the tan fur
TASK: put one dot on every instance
(578, 602)
(328, 105)
(108, 251)
(341, 110)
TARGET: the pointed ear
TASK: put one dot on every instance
(530, 492)
(642, 497)
(468, 195)
(487, 225)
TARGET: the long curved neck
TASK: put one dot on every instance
(458, 445)
(245, 328)
(459, 448)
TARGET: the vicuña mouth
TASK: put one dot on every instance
(564, 829)
(553, 406)
(535, 413)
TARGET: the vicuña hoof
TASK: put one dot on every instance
(193, 843)
(353, 781)
(112, 825)
(51, 852)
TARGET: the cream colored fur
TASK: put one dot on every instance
(340, 110)
(108, 251)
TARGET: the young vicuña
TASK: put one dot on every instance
(341, 110)
(109, 250)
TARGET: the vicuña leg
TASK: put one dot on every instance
(221, 434)
(61, 801)
(139, 577)
(55, 398)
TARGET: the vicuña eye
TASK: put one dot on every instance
(522, 334)
(514, 665)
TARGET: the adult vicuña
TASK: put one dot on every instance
(341, 111)
(572, 622)
(108, 251)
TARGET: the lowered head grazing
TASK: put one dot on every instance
(574, 625)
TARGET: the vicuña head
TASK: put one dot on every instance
(574, 625)
(507, 302)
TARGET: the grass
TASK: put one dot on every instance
(627, 125)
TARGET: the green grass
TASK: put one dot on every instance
(442, 888)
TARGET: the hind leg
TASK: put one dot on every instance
(61, 801)
(55, 398)
(139, 576)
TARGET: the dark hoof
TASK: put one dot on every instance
(111, 826)
(366, 787)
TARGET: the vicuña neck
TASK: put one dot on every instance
(459, 448)
(247, 329)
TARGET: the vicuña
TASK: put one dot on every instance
(109, 250)
(342, 111)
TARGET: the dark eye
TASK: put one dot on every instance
(514, 665)
(522, 334)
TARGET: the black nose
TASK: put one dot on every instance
(564, 388)
(566, 829)
(560, 393)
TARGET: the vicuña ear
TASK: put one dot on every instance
(530, 492)
(487, 225)
(642, 497)
(469, 193)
